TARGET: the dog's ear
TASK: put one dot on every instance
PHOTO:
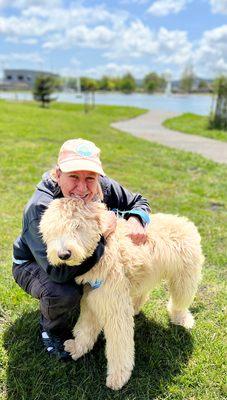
(99, 212)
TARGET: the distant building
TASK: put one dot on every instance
(22, 78)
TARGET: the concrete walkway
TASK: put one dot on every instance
(149, 126)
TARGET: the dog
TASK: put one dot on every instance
(126, 273)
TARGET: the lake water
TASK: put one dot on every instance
(197, 104)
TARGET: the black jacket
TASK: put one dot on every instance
(29, 245)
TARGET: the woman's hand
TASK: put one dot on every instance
(137, 232)
(111, 223)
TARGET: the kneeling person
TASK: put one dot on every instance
(78, 173)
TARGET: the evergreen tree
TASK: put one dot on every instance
(44, 86)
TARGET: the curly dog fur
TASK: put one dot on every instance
(128, 272)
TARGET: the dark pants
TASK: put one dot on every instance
(58, 301)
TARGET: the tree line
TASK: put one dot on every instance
(126, 84)
(151, 83)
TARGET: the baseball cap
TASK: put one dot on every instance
(80, 155)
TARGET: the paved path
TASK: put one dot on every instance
(149, 126)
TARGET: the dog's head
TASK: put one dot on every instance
(71, 230)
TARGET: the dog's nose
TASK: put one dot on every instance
(64, 255)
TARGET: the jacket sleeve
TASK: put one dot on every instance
(120, 198)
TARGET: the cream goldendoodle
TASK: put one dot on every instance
(125, 274)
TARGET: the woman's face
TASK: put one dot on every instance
(83, 184)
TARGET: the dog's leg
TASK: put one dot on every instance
(139, 301)
(119, 333)
(85, 332)
(183, 287)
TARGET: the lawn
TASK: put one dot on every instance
(171, 364)
(195, 125)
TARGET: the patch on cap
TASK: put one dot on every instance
(85, 150)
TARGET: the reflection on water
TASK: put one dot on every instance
(197, 104)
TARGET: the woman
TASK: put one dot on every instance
(78, 173)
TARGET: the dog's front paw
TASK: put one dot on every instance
(187, 321)
(118, 380)
(183, 318)
(72, 348)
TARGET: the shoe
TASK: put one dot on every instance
(54, 346)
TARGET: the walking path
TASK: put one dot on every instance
(149, 126)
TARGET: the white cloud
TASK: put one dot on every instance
(133, 41)
(119, 35)
(60, 22)
(98, 37)
(219, 6)
(160, 46)
(162, 8)
(129, 41)
(82, 36)
(210, 56)
(17, 26)
(169, 52)
(64, 18)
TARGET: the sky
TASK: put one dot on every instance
(102, 37)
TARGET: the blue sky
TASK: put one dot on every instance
(97, 37)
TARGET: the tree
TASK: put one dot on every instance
(44, 86)
(88, 84)
(71, 83)
(187, 79)
(128, 83)
(218, 119)
(105, 83)
(203, 86)
(152, 82)
(116, 82)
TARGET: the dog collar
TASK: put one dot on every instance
(96, 284)
(90, 262)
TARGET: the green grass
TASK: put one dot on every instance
(195, 125)
(171, 364)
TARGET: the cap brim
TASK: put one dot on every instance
(81, 165)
